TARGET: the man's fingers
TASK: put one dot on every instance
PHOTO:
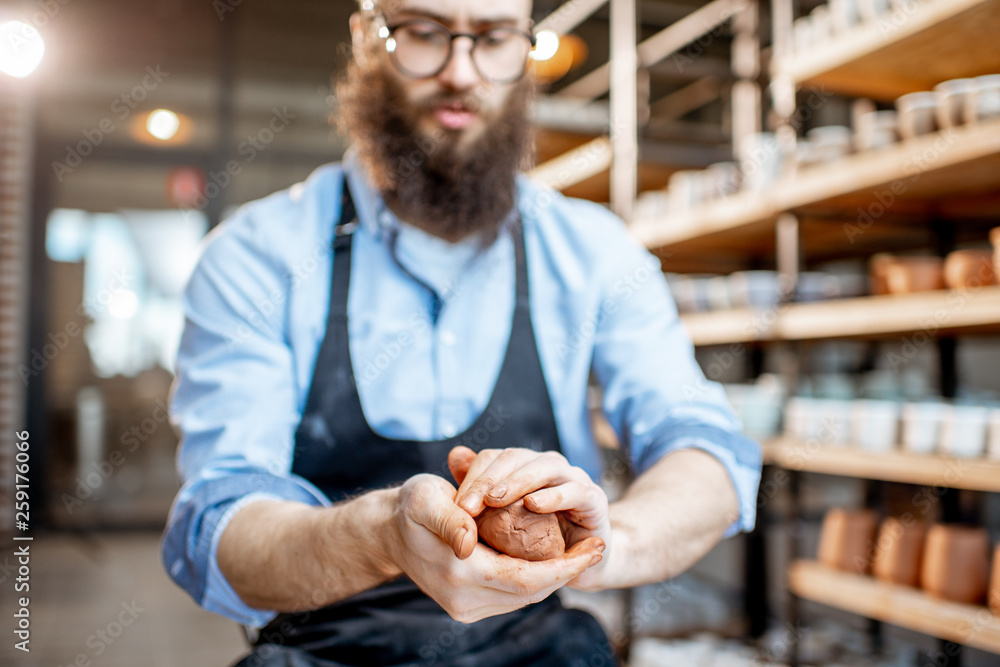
(544, 471)
(442, 517)
(484, 460)
(583, 503)
(459, 460)
(522, 577)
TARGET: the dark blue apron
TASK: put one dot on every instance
(335, 449)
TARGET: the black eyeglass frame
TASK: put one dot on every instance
(386, 31)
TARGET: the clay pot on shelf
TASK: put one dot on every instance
(906, 275)
(917, 114)
(956, 563)
(899, 551)
(995, 240)
(878, 266)
(846, 540)
(953, 100)
(969, 269)
(994, 596)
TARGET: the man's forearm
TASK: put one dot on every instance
(670, 517)
(286, 556)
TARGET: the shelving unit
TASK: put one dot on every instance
(972, 311)
(951, 174)
(904, 52)
(926, 470)
(899, 197)
(905, 607)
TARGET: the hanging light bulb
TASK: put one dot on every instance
(21, 49)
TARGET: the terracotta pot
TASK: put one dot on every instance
(878, 266)
(956, 563)
(847, 539)
(995, 240)
(899, 551)
(969, 268)
(994, 598)
(906, 275)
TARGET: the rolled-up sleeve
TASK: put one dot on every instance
(655, 395)
(235, 403)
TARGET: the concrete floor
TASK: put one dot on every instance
(83, 586)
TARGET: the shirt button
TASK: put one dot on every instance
(448, 338)
(449, 430)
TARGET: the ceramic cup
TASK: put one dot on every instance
(953, 99)
(761, 161)
(844, 15)
(993, 438)
(874, 425)
(877, 129)
(921, 426)
(963, 431)
(917, 114)
(871, 10)
(754, 289)
(984, 101)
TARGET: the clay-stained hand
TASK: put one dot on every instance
(548, 484)
(435, 543)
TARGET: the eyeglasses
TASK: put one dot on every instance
(421, 48)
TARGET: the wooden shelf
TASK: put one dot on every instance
(951, 174)
(904, 52)
(970, 311)
(903, 606)
(928, 470)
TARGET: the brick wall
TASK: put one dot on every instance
(16, 129)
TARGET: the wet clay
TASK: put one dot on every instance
(517, 531)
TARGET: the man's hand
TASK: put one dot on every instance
(435, 543)
(548, 484)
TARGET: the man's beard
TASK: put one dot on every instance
(448, 189)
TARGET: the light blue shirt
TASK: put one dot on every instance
(428, 323)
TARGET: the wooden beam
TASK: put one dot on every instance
(682, 102)
(661, 45)
(574, 166)
(624, 109)
(569, 15)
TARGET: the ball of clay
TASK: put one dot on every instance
(517, 531)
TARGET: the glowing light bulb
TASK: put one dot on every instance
(163, 124)
(21, 49)
(546, 45)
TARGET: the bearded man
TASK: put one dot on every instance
(423, 314)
